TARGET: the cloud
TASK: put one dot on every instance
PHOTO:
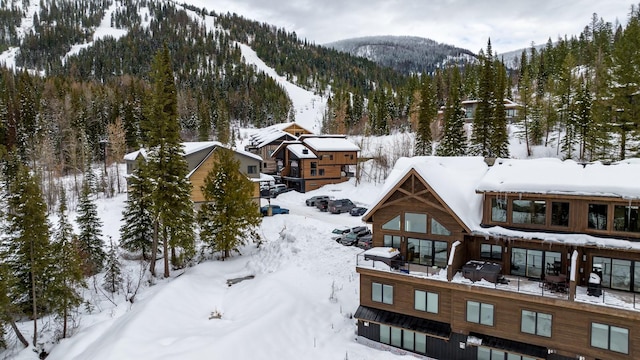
(464, 23)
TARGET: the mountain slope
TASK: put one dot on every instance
(407, 54)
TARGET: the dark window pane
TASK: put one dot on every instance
(560, 213)
(597, 216)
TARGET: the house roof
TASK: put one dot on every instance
(330, 144)
(554, 176)
(272, 133)
(299, 151)
(461, 182)
(447, 177)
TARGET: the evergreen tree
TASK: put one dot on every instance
(90, 243)
(113, 269)
(526, 97)
(27, 248)
(136, 232)
(483, 118)
(584, 121)
(454, 142)
(499, 139)
(428, 111)
(230, 216)
(172, 207)
(66, 268)
(8, 310)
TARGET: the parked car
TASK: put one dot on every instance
(352, 237)
(365, 241)
(314, 199)
(340, 206)
(339, 232)
(322, 205)
(358, 211)
(279, 189)
(275, 209)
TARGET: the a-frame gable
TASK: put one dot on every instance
(414, 188)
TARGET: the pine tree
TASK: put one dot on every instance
(136, 232)
(113, 269)
(230, 216)
(483, 119)
(454, 142)
(526, 97)
(27, 248)
(428, 111)
(499, 139)
(66, 268)
(8, 309)
(172, 207)
(90, 243)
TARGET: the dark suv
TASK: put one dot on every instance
(340, 206)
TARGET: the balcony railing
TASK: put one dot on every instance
(523, 285)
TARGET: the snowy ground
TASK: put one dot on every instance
(299, 304)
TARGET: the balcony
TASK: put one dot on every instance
(392, 264)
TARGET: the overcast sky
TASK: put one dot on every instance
(511, 25)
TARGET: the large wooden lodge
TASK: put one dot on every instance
(498, 262)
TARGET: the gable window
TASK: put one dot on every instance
(560, 213)
(382, 293)
(426, 301)
(393, 224)
(490, 251)
(499, 210)
(393, 241)
(480, 313)
(610, 337)
(536, 323)
(427, 252)
(438, 229)
(252, 169)
(415, 222)
(597, 217)
(529, 212)
(314, 168)
(625, 218)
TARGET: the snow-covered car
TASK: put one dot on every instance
(339, 232)
(353, 236)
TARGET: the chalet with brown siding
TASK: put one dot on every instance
(265, 141)
(525, 259)
(200, 161)
(314, 161)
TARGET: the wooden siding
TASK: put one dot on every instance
(296, 130)
(571, 324)
(578, 213)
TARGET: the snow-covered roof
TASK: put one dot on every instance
(554, 176)
(299, 151)
(452, 178)
(331, 144)
(195, 146)
(134, 155)
(271, 133)
(460, 181)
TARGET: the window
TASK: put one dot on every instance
(616, 273)
(438, 229)
(610, 337)
(536, 323)
(415, 222)
(385, 334)
(331, 157)
(252, 169)
(426, 301)
(490, 251)
(480, 313)
(530, 263)
(403, 338)
(382, 293)
(421, 343)
(625, 218)
(393, 224)
(485, 353)
(597, 216)
(427, 252)
(392, 241)
(499, 210)
(560, 213)
(529, 212)
(321, 172)
(314, 168)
